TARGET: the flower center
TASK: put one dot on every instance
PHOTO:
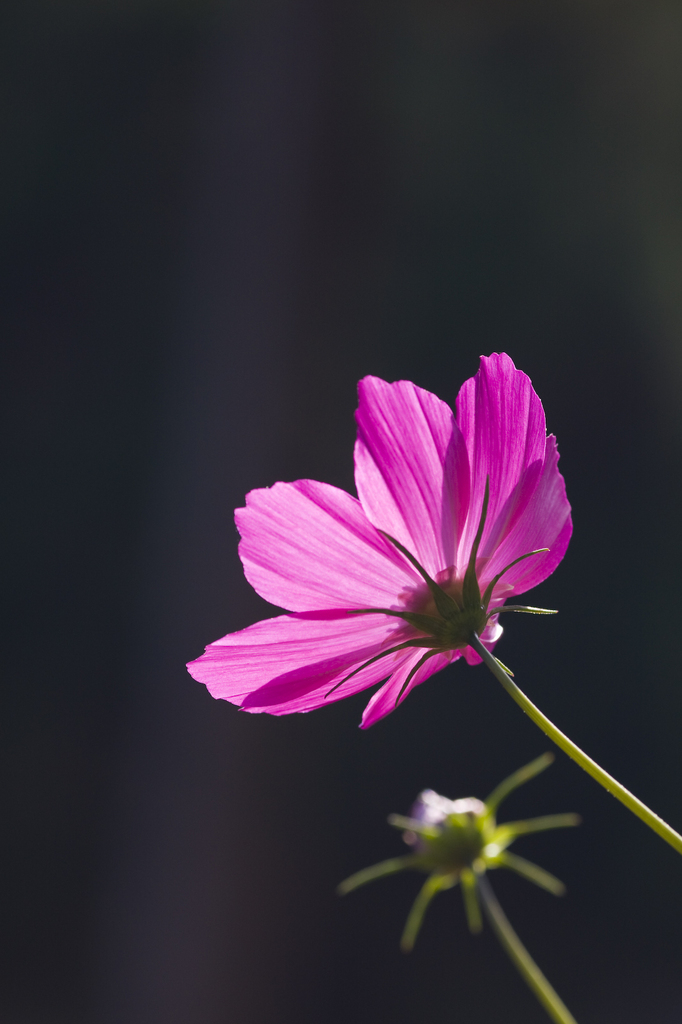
(451, 630)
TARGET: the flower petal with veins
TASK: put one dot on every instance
(323, 555)
(412, 469)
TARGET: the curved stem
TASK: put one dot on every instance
(610, 784)
(521, 958)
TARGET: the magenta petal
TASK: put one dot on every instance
(307, 546)
(546, 523)
(309, 687)
(472, 658)
(421, 476)
(503, 424)
(383, 701)
(412, 469)
(298, 646)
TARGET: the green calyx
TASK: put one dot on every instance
(459, 616)
(462, 847)
(450, 847)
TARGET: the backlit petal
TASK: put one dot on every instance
(296, 650)
(308, 546)
(383, 701)
(545, 523)
(411, 469)
(503, 424)
(309, 688)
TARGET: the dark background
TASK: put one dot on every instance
(215, 218)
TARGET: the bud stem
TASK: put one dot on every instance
(610, 784)
(521, 958)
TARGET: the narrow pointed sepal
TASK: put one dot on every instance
(531, 872)
(412, 825)
(433, 885)
(471, 592)
(385, 867)
(446, 605)
(371, 661)
(472, 906)
(413, 672)
(493, 583)
(511, 830)
(524, 608)
(518, 778)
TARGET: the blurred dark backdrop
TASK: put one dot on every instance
(215, 218)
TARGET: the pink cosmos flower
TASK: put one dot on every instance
(454, 516)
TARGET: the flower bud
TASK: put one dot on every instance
(457, 841)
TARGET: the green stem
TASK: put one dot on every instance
(521, 958)
(610, 784)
